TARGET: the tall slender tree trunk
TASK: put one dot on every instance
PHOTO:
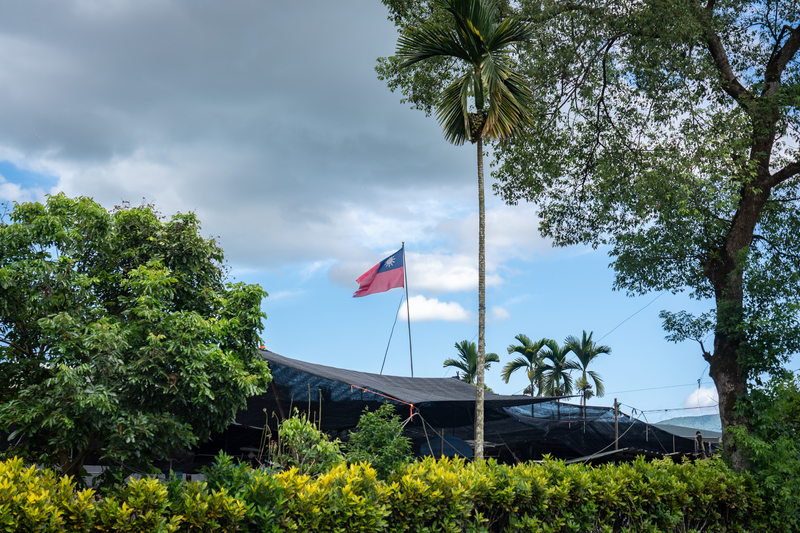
(481, 305)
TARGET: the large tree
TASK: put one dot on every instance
(668, 133)
(487, 99)
(119, 336)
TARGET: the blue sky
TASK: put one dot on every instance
(310, 171)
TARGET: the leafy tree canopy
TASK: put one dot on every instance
(668, 132)
(118, 333)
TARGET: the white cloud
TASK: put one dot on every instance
(442, 272)
(703, 397)
(511, 232)
(11, 192)
(424, 309)
(498, 314)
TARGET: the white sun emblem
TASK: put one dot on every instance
(389, 262)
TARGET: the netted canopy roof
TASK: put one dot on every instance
(518, 426)
(345, 393)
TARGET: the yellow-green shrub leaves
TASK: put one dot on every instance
(429, 496)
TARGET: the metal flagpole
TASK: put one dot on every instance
(408, 313)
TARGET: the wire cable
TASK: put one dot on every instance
(390, 334)
(633, 315)
(616, 440)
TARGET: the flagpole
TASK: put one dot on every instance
(408, 313)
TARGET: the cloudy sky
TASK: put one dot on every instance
(267, 120)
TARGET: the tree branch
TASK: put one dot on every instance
(706, 354)
(731, 83)
(778, 62)
(789, 171)
(775, 248)
(12, 344)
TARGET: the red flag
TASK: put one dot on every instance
(386, 275)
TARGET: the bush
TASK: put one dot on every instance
(347, 498)
(379, 441)
(429, 496)
(259, 491)
(34, 499)
(304, 447)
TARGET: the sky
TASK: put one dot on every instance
(267, 119)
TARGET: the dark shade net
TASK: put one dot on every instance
(516, 427)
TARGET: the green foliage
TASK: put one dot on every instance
(142, 506)
(773, 447)
(379, 441)
(531, 357)
(259, 491)
(485, 98)
(481, 44)
(667, 133)
(427, 496)
(118, 333)
(304, 447)
(346, 498)
(34, 499)
(555, 369)
(467, 361)
(586, 351)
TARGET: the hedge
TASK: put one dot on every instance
(426, 496)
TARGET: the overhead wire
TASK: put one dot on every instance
(633, 315)
(392, 333)
(616, 440)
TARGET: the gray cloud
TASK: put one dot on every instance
(264, 117)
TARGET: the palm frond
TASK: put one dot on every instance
(474, 22)
(510, 100)
(599, 388)
(456, 364)
(452, 110)
(513, 366)
(417, 43)
(510, 30)
(523, 339)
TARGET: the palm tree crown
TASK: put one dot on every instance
(481, 43)
(467, 361)
(586, 351)
(531, 357)
(555, 371)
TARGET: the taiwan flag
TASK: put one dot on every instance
(386, 275)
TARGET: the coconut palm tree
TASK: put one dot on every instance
(586, 351)
(556, 369)
(467, 361)
(501, 102)
(531, 356)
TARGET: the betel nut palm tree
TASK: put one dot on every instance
(467, 361)
(586, 350)
(556, 369)
(530, 358)
(489, 101)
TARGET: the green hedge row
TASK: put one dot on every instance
(427, 496)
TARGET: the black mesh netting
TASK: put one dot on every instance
(516, 427)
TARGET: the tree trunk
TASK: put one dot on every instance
(731, 384)
(726, 276)
(71, 467)
(481, 305)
